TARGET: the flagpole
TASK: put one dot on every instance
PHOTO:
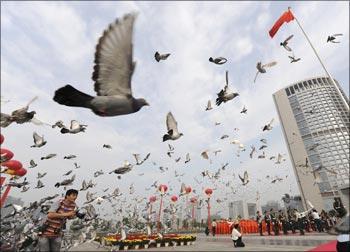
(329, 75)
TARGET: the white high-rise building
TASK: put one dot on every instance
(315, 123)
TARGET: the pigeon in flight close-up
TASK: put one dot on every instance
(160, 57)
(173, 133)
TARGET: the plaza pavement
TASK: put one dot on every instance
(224, 243)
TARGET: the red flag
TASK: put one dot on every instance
(286, 17)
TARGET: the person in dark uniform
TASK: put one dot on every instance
(259, 219)
(282, 218)
(268, 221)
(275, 222)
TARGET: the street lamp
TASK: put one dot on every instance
(209, 192)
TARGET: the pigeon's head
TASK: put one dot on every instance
(211, 59)
(281, 44)
(140, 103)
(31, 114)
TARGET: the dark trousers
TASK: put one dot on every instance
(276, 228)
(260, 228)
(213, 229)
(284, 227)
(301, 226)
(343, 246)
(238, 242)
(268, 227)
(318, 223)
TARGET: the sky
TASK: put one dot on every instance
(46, 45)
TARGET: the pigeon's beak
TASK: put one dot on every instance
(147, 104)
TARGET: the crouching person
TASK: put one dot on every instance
(237, 237)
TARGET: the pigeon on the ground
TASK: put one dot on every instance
(173, 133)
(244, 110)
(224, 95)
(209, 107)
(66, 182)
(70, 157)
(268, 126)
(107, 146)
(75, 127)
(261, 68)
(245, 178)
(114, 67)
(32, 164)
(218, 60)
(160, 57)
(19, 116)
(285, 43)
(293, 59)
(332, 38)
(39, 141)
(48, 156)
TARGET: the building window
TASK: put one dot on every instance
(287, 92)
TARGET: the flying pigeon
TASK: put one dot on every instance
(160, 57)
(188, 159)
(41, 175)
(65, 182)
(218, 61)
(173, 132)
(244, 110)
(98, 173)
(39, 184)
(268, 126)
(107, 146)
(38, 140)
(285, 43)
(279, 159)
(262, 147)
(124, 169)
(19, 116)
(32, 164)
(48, 156)
(204, 154)
(76, 166)
(24, 189)
(252, 151)
(263, 141)
(224, 95)
(332, 38)
(75, 128)
(293, 59)
(178, 159)
(262, 156)
(114, 67)
(245, 178)
(261, 68)
(18, 185)
(223, 137)
(216, 152)
(59, 124)
(70, 157)
(209, 107)
(68, 172)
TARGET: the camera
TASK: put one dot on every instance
(80, 215)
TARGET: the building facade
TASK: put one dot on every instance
(315, 124)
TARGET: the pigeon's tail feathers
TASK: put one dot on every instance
(219, 100)
(57, 185)
(32, 100)
(64, 130)
(166, 137)
(70, 96)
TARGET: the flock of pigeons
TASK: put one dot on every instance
(112, 74)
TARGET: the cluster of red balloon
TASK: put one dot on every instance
(13, 167)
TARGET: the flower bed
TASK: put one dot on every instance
(134, 241)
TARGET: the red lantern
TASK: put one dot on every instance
(193, 200)
(188, 190)
(2, 138)
(21, 172)
(12, 165)
(208, 192)
(174, 198)
(152, 199)
(162, 188)
(6, 154)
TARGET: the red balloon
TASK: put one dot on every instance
(152, 199)
(208, 191)
(21, 172)
(6, 154)
(188, 190)
(193, 200)
(163, 188)
(12, 165)
(173, 198)
(2, 138)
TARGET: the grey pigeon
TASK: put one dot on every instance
(65, 182)
(160, 57)
(124, 169)
(224, 95)
(332, 38)
(107, 146)
(245, 178)
(285, 43)
(75, 127)
(173, 133)
(261, 68)
(48, 156)
(38, 140)
(114, 67)
(218, 60)
(209, 107)
(293, 59)
(70, 157)
(268, 126)
(19, 116)
(76, 166)
(244, 110)
(188, 159)
(59, 124)
(39, 184)
(98, 173)
(41, 175)
(68, 172)
(32, 164)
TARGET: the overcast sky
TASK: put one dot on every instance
(46, 45)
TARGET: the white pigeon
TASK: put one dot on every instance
(75, 127)
(261, 68)
(39, 141)
(209, 107)
(173, 133)
(114, 67)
